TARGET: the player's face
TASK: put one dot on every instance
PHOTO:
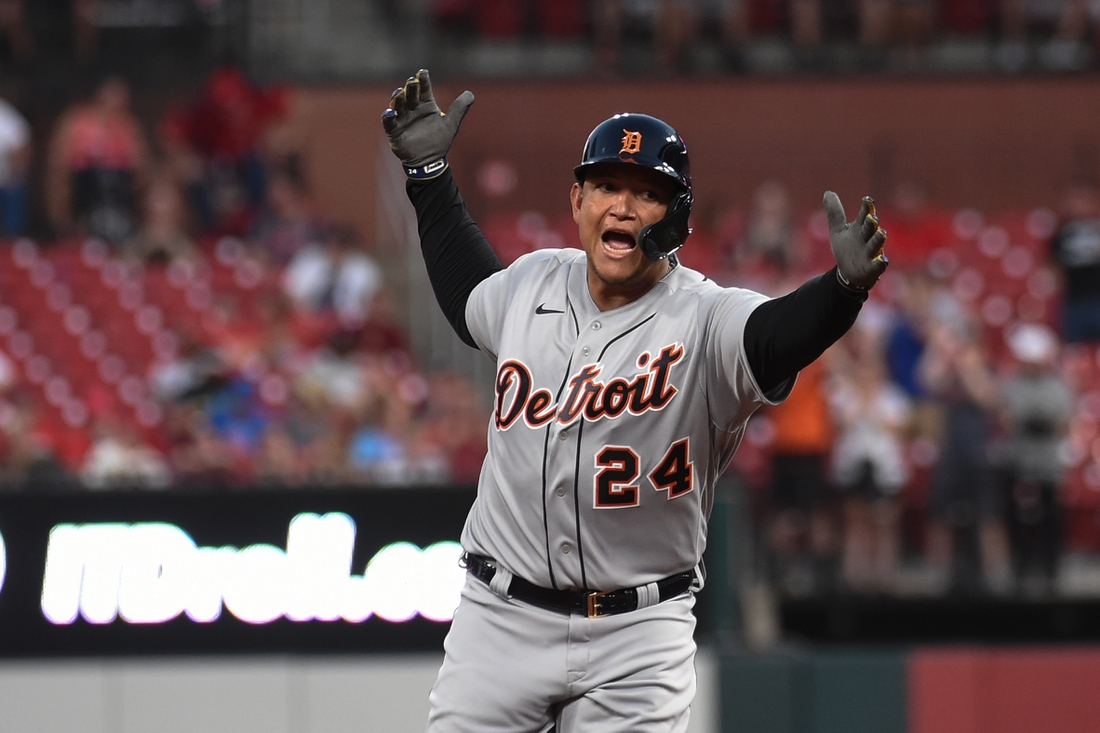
(610, 209)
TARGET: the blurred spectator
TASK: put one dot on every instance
(732, 21)
(922, 304)
(162, 236)
(382, 333)
(325, 457)
(679, 24)
(1036, 409)
(385, 448)
(15, 156)
(235, 335)
(608, 20)
(914, 24)
(875, 26)
(197, 455)
(195, 371)
(341, 375)
(28, 459)
(813, 20)
(8, 374)
(218, 147)
(870, 470)
(771, 245)
(807, 31)
(288, 221)
(719, 225)
(801, 530)
(278, 462)
(239, 417)
(277, 353)
(674, 27)
(903, 25)
(966, 515)
(906, 341)
(1076, 251)
(916, 227)
(13, 27)
(336, 275)
(11, 425)
(96, 163)
(85, 29)
(119, 457)
(307, 417)
(376, 455)
(319, 433)
(457, 425)
(1070, 24)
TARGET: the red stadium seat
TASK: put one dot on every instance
(503, 232)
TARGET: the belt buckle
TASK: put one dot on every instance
(595, 610)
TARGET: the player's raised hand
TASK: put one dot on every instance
(857, 246)
(420, 133)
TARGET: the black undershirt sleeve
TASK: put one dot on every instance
(456, 253)
(785, 334)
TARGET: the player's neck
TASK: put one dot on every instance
(611, 295)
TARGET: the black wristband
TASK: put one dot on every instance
(849, 286)
(427, 171)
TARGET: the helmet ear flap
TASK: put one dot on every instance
(660, 240)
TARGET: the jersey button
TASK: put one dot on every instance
(566, 548)
(560, 491)
(584, 351)
(563, 435)
(596, 326)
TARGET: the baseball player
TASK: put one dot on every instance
(624, 383)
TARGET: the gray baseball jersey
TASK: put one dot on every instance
(610, 428)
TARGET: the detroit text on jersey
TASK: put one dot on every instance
(587, 396)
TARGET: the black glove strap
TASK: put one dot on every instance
(427, 171)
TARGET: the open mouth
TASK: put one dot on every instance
(618, 241)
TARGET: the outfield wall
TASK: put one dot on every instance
(923, 690)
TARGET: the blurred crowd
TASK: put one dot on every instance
(197, 320)
(951, 430)
(1054, 35)
(667, 37)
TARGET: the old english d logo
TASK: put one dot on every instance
(632, 142)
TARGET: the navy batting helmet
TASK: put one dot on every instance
(646, 141)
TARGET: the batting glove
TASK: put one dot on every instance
(420, 134)
(857, 247)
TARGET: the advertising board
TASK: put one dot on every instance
(340, 570)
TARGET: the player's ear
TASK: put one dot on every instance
(576, 195)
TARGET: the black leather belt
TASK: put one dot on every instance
(590, 603)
